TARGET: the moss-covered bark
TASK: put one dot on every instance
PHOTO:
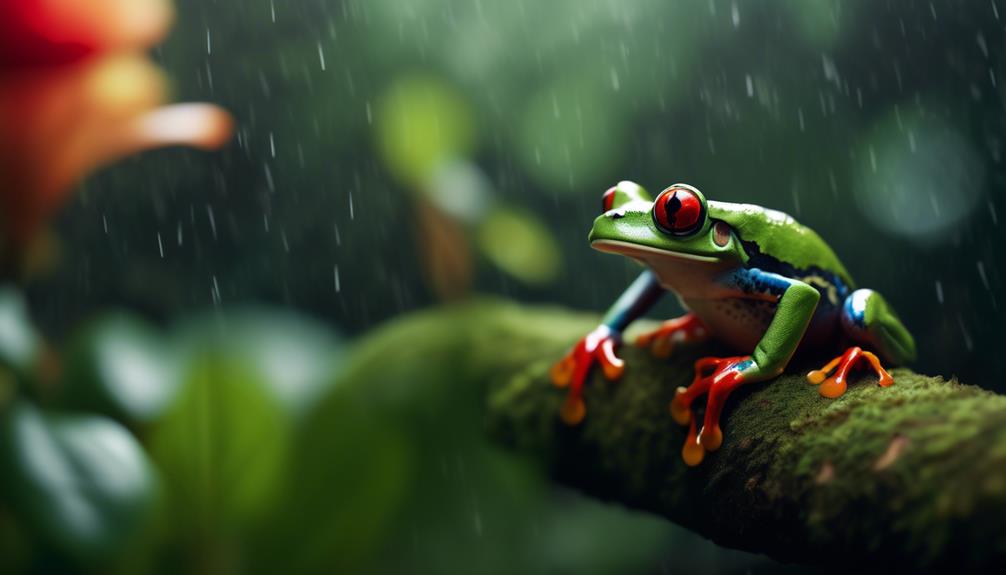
(911, 476)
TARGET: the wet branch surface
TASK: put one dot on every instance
(911, 476)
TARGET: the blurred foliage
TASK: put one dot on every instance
(82, 483)
(422, 123)
(120, 366)
(371, 464)
(520, 246)
(393, 154)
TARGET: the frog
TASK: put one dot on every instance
(750, 277)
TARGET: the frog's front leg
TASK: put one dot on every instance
(599, 345)
(718, 377)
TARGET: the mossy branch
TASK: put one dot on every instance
(911, 476)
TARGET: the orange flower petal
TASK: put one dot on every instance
(77, 93)
(108, 24)
(60, 125)
(37, 33)
(202, 126)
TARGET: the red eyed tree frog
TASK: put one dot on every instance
(750, 277)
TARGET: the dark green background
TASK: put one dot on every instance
(877, 123)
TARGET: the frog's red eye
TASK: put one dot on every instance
(608, 200)
(678, 211)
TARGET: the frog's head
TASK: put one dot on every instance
(676, 224)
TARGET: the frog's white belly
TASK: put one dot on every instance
(733, 317)
(738, 322)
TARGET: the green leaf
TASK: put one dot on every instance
(221, 446)
(422, 122)
(121, 366)
(82, 482)
(519, 244)
(350, 474)
(294, 354)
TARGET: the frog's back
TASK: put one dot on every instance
(768, 234)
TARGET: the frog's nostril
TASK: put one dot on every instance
(615, 214)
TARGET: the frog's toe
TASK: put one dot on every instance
(662, 347)
(562, 372)
(692, 451)
(711, 438)
(835, 384)
(833, 387)
(612, 365)
(817, 376)
(681, 411)
(884, 378)
(573, 410)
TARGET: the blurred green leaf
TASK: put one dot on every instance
(121, 366)
(222, 446)
(20, 344)
(350, 474)
(82, 482)
(421, 123)
(293, 354)
(520, 245)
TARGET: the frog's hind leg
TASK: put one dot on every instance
(836, 384)
(869, 321)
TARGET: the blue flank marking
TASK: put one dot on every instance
(756, 281)
(637, 298)
(767, 263)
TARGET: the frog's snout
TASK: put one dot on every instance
(606, 225)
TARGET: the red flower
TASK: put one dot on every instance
(77, 92)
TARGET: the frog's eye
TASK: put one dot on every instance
(678, 211)
(608, 200)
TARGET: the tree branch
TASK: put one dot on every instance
(912, 476)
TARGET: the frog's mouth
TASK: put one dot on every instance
(644, 253)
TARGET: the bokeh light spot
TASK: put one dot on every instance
(918, 177)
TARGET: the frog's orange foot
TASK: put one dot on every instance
(714, 376)
(685, 329)
(692, 452)
(837, 383)
(572, 370)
